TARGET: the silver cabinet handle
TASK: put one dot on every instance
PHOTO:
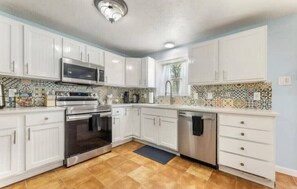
(13, 66)
(81, 55)
(114, 120)
(154, 121)
(29, 134)
(125, 111)
(159, 121)
(138, 111)
(14, 137)
(216, 75)
(27, 68)
(88, 57)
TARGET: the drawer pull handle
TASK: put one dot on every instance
(242, 148)
(46, 118)
(242, 122)
(242, 134)
(242, 164)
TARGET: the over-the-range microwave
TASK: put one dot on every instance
(78, 72)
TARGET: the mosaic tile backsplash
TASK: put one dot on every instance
(224, 96)
(227, 96)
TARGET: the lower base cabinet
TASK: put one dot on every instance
(30, 144)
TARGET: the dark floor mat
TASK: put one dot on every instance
(155, 154)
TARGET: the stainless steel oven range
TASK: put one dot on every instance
(88, 126)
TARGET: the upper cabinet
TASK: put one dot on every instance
(114, 69)
(94, 55)
(133, 72)
(10, 47)
(42, 53)
(204, 65)
(148, 76)
(243, 56)
(237, 58)
(74, 49)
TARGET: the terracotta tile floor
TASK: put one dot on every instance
(123, 169)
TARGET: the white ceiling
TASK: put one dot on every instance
(149, 23)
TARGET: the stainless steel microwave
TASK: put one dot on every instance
(77, 72)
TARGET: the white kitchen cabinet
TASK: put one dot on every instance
(148, 75)
(44, 144)
(74, 49)
(168, 132)
(10, 47)
(94, 55)
(133, 72)
(131, 126)
(9, 146)
(243, 56)
(149, 128)
(136, 128)
(42, 53)
(114, 69)
(117, 122)
(204, 65)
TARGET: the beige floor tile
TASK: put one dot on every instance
(141, 174)
(19, 185)
(211, 185)
(200, 171)
(295, 179)
(285, 179)
(52, 184)
(125, 183)
(154, 166)
(140, 160)
(171, 172)
(180, 163)
(109, 177)
(130, 155)
(41, 180)
(116, 161)
(108, 155)
(90, 183)
(76, 177)
(223, 179)
(121, 150)
(190, 181)
(245, 184)
(280, 185)
(159, 181)
(100, 168)
(128, 166)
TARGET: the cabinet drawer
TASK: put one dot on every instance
(159, 112)
(257, 167)
(44, 118)
(247, 134)
(260, 151)
(249, 122)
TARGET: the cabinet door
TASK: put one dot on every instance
(74, 49)
(45, 144)
(8, 151)
(131, 123)
(149, 129)
(148, 76)
(203, 66)
(243, 56)
(94, 55)
(9, 46)
(136, 122)
(42, 53)
(133, 72)
(116, 129)
(115, 69)
(168, 132)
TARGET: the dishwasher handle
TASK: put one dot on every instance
(204, 117)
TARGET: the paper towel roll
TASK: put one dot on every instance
(151, 97)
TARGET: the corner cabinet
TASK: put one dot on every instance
(114, 69)
(148, 75)
(133, 72)
(241, 57)
(42, 53)
(10, 47)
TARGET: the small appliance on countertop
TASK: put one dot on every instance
(135, 98)
(126, 97)
(2, 97)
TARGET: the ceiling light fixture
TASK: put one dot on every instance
(112, 10)
(169, 45)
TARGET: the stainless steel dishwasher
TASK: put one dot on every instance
(203, 147)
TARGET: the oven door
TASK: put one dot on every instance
(80, 138)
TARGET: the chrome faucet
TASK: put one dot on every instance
(170, 84)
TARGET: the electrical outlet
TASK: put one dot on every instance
(195, 96)
(11, 92)
(257, 96)
(209, 96)
(285, 80)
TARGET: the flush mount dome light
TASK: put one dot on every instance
(112, 10)
(169, 45)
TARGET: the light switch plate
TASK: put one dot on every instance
(257, 96)
(209, 96)
(195, 96)
(285, 80)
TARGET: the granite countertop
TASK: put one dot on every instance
(29, 110)
(203, 109)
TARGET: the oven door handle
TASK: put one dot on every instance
(105, 114)
(80, 117)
